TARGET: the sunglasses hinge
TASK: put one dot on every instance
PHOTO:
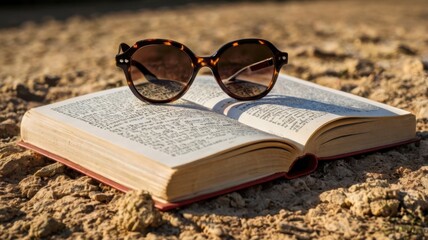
(122, 61)
(282, 57)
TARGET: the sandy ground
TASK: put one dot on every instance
(375, 49)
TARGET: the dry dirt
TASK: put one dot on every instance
(375, 49)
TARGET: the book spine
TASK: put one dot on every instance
(302, 166)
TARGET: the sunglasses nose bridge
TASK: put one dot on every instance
(209, 62)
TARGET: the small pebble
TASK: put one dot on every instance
(136, 212)
(50, 170)
(214, 230)
(52, 80)
(406, 49)
(24, 93)
(385, 208)
(100, 197)
(30, 185)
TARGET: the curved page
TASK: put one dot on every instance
(293, 110)
(171, 134)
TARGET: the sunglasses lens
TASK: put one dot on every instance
(160, 72)
(247, 70)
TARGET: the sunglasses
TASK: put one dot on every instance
(161, 71)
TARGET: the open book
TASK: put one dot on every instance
(208, 143)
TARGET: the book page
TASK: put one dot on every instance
(294, 109)
(172, 134)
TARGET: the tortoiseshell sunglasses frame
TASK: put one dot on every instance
(123, 61)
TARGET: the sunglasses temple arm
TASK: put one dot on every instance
(149, 75)
(253, 67)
